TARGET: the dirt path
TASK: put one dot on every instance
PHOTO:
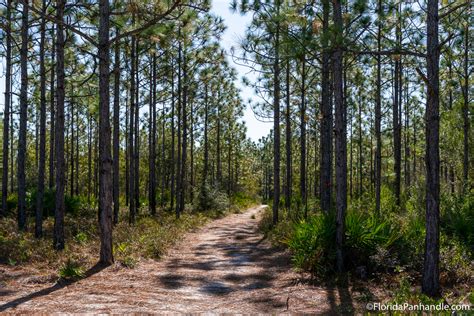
(226, 266)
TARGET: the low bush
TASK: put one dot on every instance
(71, 270)
(458, 217)
(149, 237)
(390, 241)
(211, 198)
(312, 244)
(73, 204)
(243, 201)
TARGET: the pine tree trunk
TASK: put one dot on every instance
(131, 145)
(52, 110)
(340, 136)
(180, 123)
(351, 154)
(397, 139)
(465, 112)
(89, 157)
(42, 144)
(206, 140)
(378, 113)
(7, 104)
(136, 194)
(360, 146)
(152, 138)
(430, 284)
(191, 151)
(127, 144)
(77, 157)
(163, 149)
(276, 126)
(22, 220)
(105, 159)
(173, 131)
(71, 151)
(184, 101)
(116, 137)
(218, 149)
(303, 190)
(396, 135)
(407, 137)
(288, 139)
(58, 239)
(326, 121)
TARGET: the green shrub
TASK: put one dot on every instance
(12, 202)
(458, 217)
(81, 238)
(129, 262)
(312, 244)
(71, 270)
(365, 233)
(243, 200)
(210, 198)
(387, 200)
(72, 204)
(368, 237)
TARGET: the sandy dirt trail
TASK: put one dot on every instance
(224, 267)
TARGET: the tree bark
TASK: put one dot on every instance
(6, 114)
(303, 190)
(136, 193)
(52, 114)
(180, 123)
(396, 133)
(288, 138)
(173, 162)
(430, 284)
(206, 141)
(378, 113)
(184, 101)
(71, 151)
(42, 144)
(360, 146)
(105, 159)
(276, 124)
(58, 238)
(218, 149)
(131, 145)
(152, 136)
(340, 136)
(89, 156)
(22, 220)
(163, 148)
(326, 121)
(465, 111)
(116, 138)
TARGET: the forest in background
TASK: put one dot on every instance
(143, 121)
(129, 112)
(369, 157)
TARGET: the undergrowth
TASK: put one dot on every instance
(149, 237)
(388, 243)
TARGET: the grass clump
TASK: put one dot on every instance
(71, 270)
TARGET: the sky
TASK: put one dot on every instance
(236, 25)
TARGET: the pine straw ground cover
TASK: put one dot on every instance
(148, 238)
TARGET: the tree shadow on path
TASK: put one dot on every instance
(346, 305)
(57, 286)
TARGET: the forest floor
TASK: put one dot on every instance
(224, 267)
